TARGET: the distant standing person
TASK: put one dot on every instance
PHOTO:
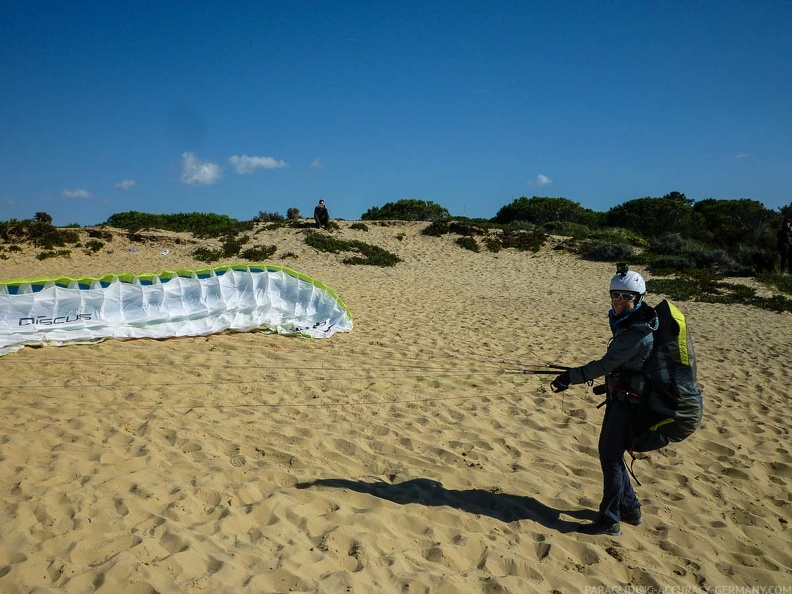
(785, 245)
(321, 216)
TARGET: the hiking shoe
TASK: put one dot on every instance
(601, 526)
(633, 517)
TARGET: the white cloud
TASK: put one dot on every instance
(740, 155)
(199, 173)
(76, 193)
(245, 164)
(317, 164)
(125, 185)
(542, 180)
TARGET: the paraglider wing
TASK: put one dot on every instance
(60, 311)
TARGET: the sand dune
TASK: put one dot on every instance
(408, 455)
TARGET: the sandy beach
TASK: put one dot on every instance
(409, 455)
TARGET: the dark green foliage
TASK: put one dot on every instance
(199, 224)
(602, 251)
(510, 236)
(53, 254)
(407, 210)
(269, 217)
(232, 245)
(668, 243)
(541, 210)
(782, 282)
(293, 214)
(326, 243)
(468, 242)
(732, 223)
(619, 235)
(437, 228)
(100, 234)
(705, 288)
(205, 254)
(467, 229)
(93, 245)
(359, 226)
(259, 253)
(574, 230)
(524, 225)
(523, 240)
(652, 217)
(691, 255)
(39, 231)
(493, 244)
(368, 254)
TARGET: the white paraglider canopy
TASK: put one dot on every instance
(64, 310)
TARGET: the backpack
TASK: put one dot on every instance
(671, 404)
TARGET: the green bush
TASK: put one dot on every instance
(541, 209)
(704, 288)
(601, 251)
(493, 244)
(259, 253)
(269, 217)
(619, 235)
(469, 243)
(359, 226)
(668, 243)
(93, 245)
(39, 231)
(467, 229)
(368, 254)
(202, 225)
(205, 254)
(100, 234)
(407, 209)
(523, 240)
(53, 254)
(575, 230)
(693, 256)
(437, 228)
(781, 282)
(232, 245)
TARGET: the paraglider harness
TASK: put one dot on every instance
(665, 400)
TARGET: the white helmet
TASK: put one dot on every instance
(628, 281)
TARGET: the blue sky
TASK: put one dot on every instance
(240, 107)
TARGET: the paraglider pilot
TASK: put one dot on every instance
(632, 323)
(321, 216)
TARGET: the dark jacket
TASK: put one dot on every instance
(321, 216)
(627, 351)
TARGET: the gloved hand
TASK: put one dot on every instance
(560, 383)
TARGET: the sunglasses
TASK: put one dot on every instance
(622, 296)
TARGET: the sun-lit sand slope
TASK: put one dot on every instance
(408, 455)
